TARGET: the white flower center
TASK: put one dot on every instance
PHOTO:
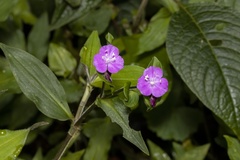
(108, 58)
(152, 80)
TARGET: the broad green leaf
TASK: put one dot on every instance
(155, 34)
(73, 156)
(12, 142)
(64, 13)
(38, 83)
(38, 38)
(60, 60)
(156, 153)
(206, 54)
(191, 152)
(6, 8)
(233, 148)
(7, 80)
(90, 48)
(95, 20)
(118, 112)
(122, 77)
(100, 133)
(175, 123)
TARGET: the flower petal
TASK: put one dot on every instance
(109, 49)
(143, 86)
(116, 65)
(160, 88)
(99, 63)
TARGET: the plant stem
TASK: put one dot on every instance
(74, 130)
(139, 15)
(83, 102)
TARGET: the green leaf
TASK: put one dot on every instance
(156, 152)
(155, 34)
(190, 153)
(38, 83)
(90, 48)
(132, 101)
(97, 19)
(233, 148)
(122, 77)
(60, 60)
(118, 112)
(174, 122)
(73, 156)
(100, 143)
(7, 80)
(38, 38)
(205, 52)
(6, 8)
(74, 3)
(171, 5)
(12, 142)
(65, 13)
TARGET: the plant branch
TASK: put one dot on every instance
(138, 18)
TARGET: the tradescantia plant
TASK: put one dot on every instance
(94, 79)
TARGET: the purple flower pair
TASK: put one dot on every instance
(151, 83)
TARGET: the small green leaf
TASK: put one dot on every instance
(156, 153)
(12, 142)
(65, 13)
(132, 101)
(90, 48)
(60, 60)
(118, 112)
(38, 38)
(196, 153)
(233, 148)
(155, 62)
(122, 77)
(74, 3)
(38, 83)
(73, 156)
(6, 8)
(210, 71)
(100, 143)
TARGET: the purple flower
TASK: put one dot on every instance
(108, 59)
(152, 84)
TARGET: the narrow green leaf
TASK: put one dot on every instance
(115, 109)
(97, 19)
(12, 142)
(6, 8)
(100, 143)
(60, 60)
(38, 38)
(122, 77)
(233, 148)
(156, 152)
(90, 48)
(155, 62)
(64, 13)
(211, 70)
(38, 83)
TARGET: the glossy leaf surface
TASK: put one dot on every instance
(233, 147)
